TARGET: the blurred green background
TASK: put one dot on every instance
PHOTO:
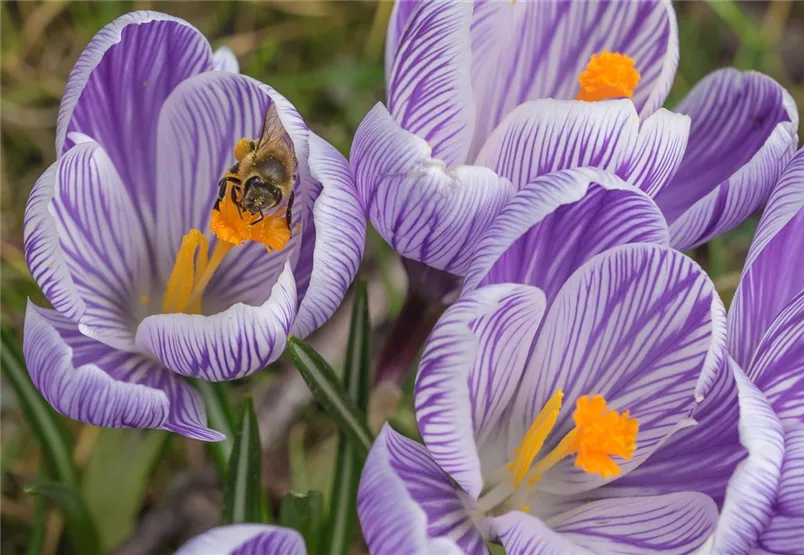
(151, 491)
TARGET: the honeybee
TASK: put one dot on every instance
(264, 174)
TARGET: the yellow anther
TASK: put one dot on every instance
(191, 262)
(535, 436)
(608, 75)
(525, 508)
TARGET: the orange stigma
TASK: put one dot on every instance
(235, 226)
(608, 75)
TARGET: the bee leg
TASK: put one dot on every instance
(288, 215)
(258, 220)
(221, 188)
(236, 202)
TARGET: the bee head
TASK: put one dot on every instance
(260, 194)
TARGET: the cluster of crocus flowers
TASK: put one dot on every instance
(150, 279)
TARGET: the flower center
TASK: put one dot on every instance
(598, 435)
(608, 75)
(193, 269)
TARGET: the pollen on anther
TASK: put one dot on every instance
(608, 75)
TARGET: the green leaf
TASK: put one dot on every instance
(323, 382)
(37, 538)
(78, 525)
(242, 492)
(305, 513)
(220, 416)
(46, 424)
(116, 478)
(357, 381)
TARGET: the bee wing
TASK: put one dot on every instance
(274, 135)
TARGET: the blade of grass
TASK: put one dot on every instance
(46, 424)
(242, 493)
(323, 383)
(81, 530)
(220, 416)
(305, 513)
(356, 381)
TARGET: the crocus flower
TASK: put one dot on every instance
(766, 327)
(117, 233)
(246, 539)
(555, 377)
(467, 90)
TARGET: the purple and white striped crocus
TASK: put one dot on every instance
(117, 233)
(553, 379)
(481, 101)
(766, 338)
(459, 73)
(246, 539)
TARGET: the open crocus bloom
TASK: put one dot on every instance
(563, 369)
(246, 539)
(766, 327)
(422, 164)
(117, 233)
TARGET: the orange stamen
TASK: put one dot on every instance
(608, 75)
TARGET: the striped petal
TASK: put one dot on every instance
(198, 128)
(229, 345)
(336, 248)
(772, 273)
(246, 539)
(400, 15)
(429, 91)
(408, 506)
(86, 247)
(777, 368)
(558, 222)
(538, 50)
(783, 533)
(640, 325)
(522, 533)
(468, 375)
(698, 458)
(93, 383)
(677, 523)
(753, 487)
(544, 136)
(118, 86)
(743, 133)
(426, 213)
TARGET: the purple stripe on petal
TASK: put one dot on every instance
(102, 242)
(468, 375)
(63, 365)
(527, 50)
(752, 488)
(116, 91)
(225, 60)
(246, 539)
(340, 236)
(522, 533)
(547, 135)
(743, 133)
(198, 128)
(557, 223)
(772, 275)
(783, 533)
(91, 382)
(639, 325)
(429, 90)
(400, 15)
(43, 253)
(777, 367)
(232, 344)
(407, 505)
(676, 523)
(426, 213)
